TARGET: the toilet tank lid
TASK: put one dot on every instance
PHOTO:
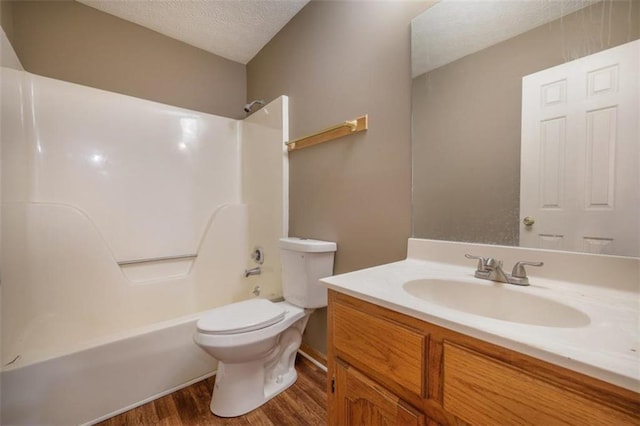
(306, 245)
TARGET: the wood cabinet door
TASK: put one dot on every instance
(485, 391)
(360, 401)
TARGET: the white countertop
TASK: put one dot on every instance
(608, 348)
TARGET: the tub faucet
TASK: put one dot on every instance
(491, 269)
(253, 271)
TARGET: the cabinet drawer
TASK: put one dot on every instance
(387, 349)
(481, 390)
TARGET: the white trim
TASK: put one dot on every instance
(149, 399)
(182, 386)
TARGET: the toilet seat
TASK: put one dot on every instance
(236, 341)
(241, 317)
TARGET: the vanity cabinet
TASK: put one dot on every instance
(387, 368)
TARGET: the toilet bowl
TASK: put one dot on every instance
(255, 341)
(254, 363)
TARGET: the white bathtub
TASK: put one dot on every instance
(121, 219)
(108, 377)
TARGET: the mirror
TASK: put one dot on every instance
(538, 94)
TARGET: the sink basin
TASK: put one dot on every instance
(496, 301)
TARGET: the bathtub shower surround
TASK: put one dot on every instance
(122, 220)
(96, 186)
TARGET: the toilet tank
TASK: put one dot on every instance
(304, 262)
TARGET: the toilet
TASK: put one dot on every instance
(255, 341)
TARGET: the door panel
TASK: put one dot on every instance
(361, 401)
(580, 160)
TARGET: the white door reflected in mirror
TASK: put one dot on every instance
(580, 170)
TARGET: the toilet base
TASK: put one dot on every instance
(244, 386)
(248, 390)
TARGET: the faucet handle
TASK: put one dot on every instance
(482, 262)
(519, 271)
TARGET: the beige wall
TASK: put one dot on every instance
(337, 60)
(73, 42)
(467, 124)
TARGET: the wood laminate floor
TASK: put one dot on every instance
(304, 403)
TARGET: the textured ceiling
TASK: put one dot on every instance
(452, 29)
(233, 29)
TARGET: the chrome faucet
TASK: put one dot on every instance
(253, 271)
(491, 269)
(495, 272)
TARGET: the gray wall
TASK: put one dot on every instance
(70, 41)
(6, 10)
(337, 60)
(467, 123)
